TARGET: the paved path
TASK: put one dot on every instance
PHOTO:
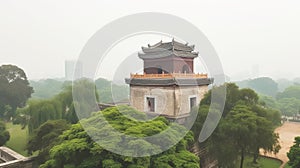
(287, 132)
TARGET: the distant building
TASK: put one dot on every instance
(168, 86)
(72, 66)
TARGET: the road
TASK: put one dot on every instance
(287, 132)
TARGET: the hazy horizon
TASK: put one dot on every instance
(257, 38)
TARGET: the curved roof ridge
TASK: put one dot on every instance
(163, 49)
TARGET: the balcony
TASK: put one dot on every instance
(168, 75)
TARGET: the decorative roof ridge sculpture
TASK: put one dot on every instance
(165, 49)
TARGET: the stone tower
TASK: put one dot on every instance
(168, 86)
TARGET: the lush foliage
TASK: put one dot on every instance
(47, 88)
(77, 149)
(14, 90)
(290, 92)
(246, 126)
(294, 154)
(109, 92)
(45, 137)
(61, 106)
(4, 134)
(287, 101)
(263, 85)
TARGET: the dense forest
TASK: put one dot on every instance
(58, 138)
(283, 95)
(246, 126)
(108, 91)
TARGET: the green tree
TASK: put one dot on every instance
(4, 134)
(46, 88)
(61, 106)
(109, 92)
(269, 102)
(232, 96)
(40, 111)
(242, 132)
(246, 127)
(45, 137)
(264, 85)
(290, 92)
(289, 106)
(77, 149)
(241, 127)
(14, 89)
(248, 97)
(294, 154)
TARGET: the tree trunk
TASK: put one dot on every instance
(255, 155)
(242, 158)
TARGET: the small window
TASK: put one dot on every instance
(151, 104)
(193, 102)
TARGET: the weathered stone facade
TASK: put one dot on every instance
(169, 86)
(171, 101)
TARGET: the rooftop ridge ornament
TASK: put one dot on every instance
(168, 70)
(166, 49)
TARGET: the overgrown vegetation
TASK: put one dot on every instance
(245, 127)
(61, 106)
(14, 90)
(283, 96)
(294, 154)
(4, 134)
(45, 137)
(75, 147)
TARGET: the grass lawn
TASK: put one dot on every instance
(18, 138)
(287, 166)
(262, 163)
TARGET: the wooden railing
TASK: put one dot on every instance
(169, 75)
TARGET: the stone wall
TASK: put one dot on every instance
(183, 95)
(169, 100)
(14, 160)
(164, 98)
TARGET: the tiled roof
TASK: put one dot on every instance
(160, 50)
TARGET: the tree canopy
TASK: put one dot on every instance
(245, 127)
(45, 137)
(263, 85)
(294, 154)
(61, 106)
(77, 149)
(107, 90)
(290, 92)
(4, 134)
(14, 89)
(47, 88)
(110, 92)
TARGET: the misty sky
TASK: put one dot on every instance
(39, 36)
